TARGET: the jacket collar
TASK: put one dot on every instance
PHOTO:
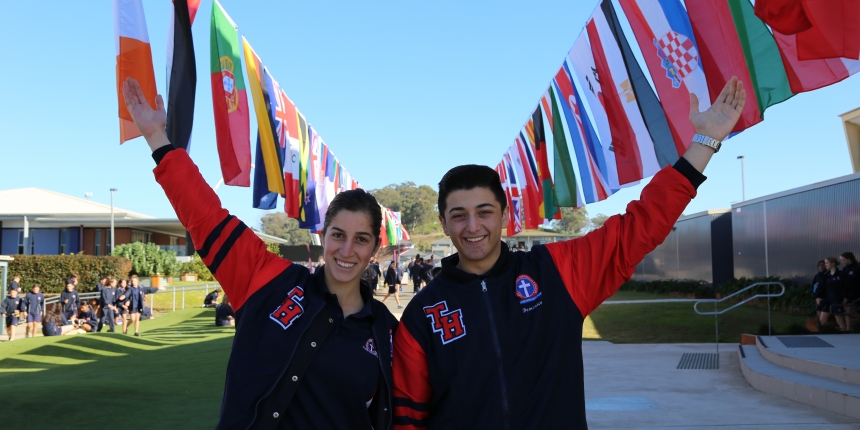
(364, 290)
(451, 271)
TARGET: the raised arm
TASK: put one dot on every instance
(235, 255)
(411, 386)
(593, 267)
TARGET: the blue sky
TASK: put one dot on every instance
(401, 91)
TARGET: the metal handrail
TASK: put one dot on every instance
(717, 313)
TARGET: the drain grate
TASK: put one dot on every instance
(803, 342)
(699, 360)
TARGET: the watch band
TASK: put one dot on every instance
(708, 141)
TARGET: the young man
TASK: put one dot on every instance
(211, 299)
(107, 302)
(15, 284)
(33, 308)
(495, 342)
(11, 310)
(99, 285)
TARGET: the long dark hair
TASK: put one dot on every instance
(54, 314)
(850, 257)
(356, 200)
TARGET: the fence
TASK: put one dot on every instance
(193, 294)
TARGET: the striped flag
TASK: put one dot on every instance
(586, 145)
(309, 215)
(515, 222)
(181, 74)
(665, 36)
(565, 190)
(262, 198)
(287, 136)
(265, 126)
(229, 100)
(527, 173)
(634, 149)
(133, 59)
(548, 209)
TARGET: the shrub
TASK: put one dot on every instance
(669, 286)
(196, 266)
(148, 259)
(52, 271)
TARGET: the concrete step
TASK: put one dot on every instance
(840, 362)
(835, 396)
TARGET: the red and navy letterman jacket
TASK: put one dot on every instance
(503, 350)
(275, 301)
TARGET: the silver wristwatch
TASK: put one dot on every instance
(710, 142)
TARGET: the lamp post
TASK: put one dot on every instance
(743, 185)
(112, 190)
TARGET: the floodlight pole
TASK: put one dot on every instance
(743, 184)
(112, 190)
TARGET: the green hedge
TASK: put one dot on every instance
(52, 271)
(148, 259)
(196, 266)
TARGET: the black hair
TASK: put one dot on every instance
(356, 200)
(849, 256)
(468, 177)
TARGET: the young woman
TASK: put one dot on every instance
(829, 295)
(87, 319)
(135, 296)
(70, 300)
(224, 315)
(55, 324)
(393, 279)
(311, 350)
(851, 284)
(33, 308)
(11, 310)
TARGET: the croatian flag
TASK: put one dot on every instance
(665, 36)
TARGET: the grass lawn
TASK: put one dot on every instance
(675, 322)
(171, 377)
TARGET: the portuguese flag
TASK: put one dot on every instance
(229, 100)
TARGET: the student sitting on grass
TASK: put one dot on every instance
(87, 318)
(211, 299)
(11, 310)
(55, 324)
(224, 315)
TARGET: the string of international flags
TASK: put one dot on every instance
(600, 103)
(599, 123)
(292, 159)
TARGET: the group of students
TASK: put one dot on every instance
(837, 291)
(119, 302)
(315, 350)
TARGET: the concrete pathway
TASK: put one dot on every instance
(639, 387)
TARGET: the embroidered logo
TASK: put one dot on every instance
(370, 346)
(526, 289)
(291, 309)
(449, 324)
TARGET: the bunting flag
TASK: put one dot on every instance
(634, 149)
(548, 209)
(825, 29)
(565, 190)
(262, 197)
(665, 36)
(749, 52)
(586, 145)
(287, 138)
(515, 220)
(229, 100)
(265, 125)
(527, 173)
(181, 76)
(133, 59)
(809, 75)
(309, 210)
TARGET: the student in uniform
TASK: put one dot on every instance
(33, 308)
(224, 315)
(211, 299)
(393, 279)
(851, 275)
(55, 324)
(107, 303)
(69, 300)
(122, 302)
(136, 296)
(99, 285)
(15, 284)
(311, 350)
(11, 311)
(831, 297)
(417, 275)
(87, 318)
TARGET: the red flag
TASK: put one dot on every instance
(835, 30)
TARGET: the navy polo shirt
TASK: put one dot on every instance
(343, 375)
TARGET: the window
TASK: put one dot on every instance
(141, 236)
(98, 241)
(174, 241)
(20, 241)
(107, 243)
(64, 241)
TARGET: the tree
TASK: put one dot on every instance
(598, 221)
(278, 224)
(148, 259)
(573, 220)
(417, 204)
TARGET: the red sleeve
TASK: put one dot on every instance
(412, 391)
(235, 255)
(594, 266)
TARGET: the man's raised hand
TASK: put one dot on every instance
(151, 122)
(719, 120)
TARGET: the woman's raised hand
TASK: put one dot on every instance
(149, 121)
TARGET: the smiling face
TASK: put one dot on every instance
(348, 245)
(473, 219)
